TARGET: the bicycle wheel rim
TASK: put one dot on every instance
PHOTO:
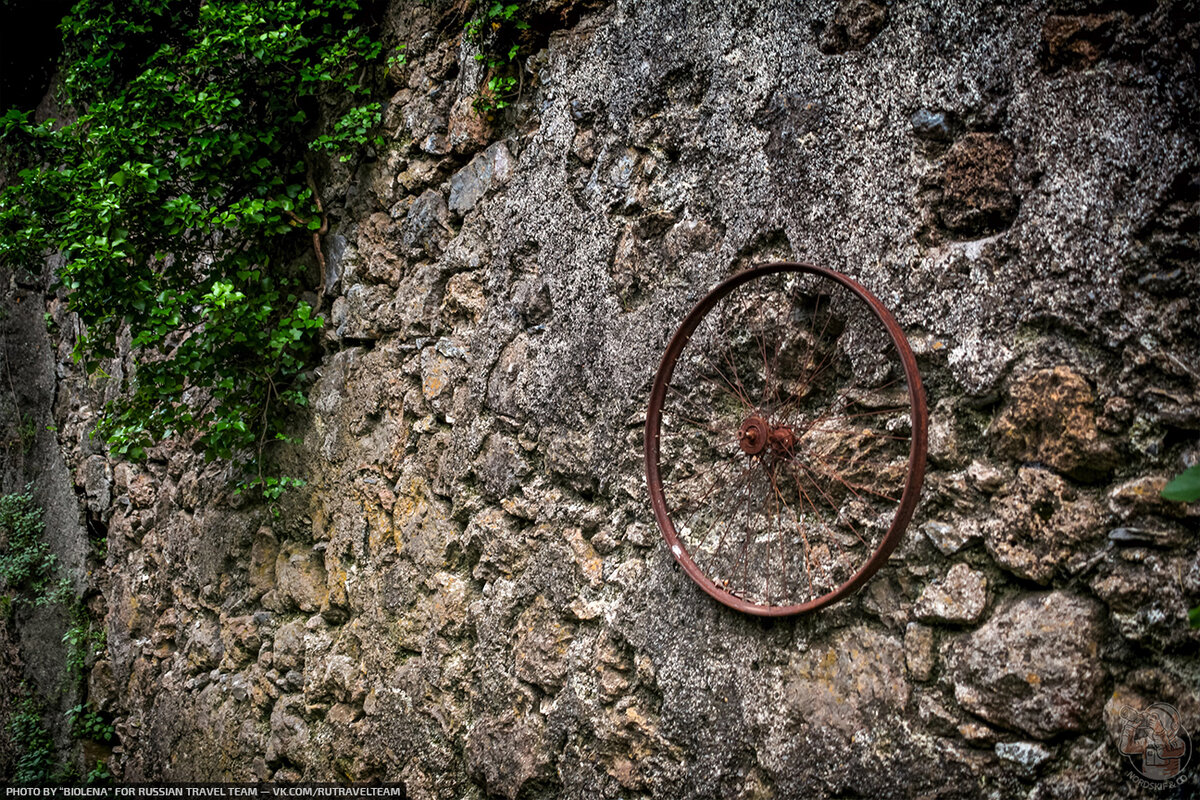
(905, 504)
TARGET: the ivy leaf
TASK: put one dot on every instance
(1185, 488)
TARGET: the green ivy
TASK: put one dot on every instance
(85, 640)
(27, 567)
(31, 575)
(354, 126)
(496, 30)
(87, 723)
(99, 775)
(36, 764)
(182, 193)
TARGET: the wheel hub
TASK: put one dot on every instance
(783, 440)
(756, 435)
(753, 435)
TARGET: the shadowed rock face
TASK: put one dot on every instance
(854, 24)
(1076, 41)
(470, 595)
(977, 185)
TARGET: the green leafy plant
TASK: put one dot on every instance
(36, 764)
(353, 127)
(273, 488)
(87, 723)
(183, 197)
(27, 567)
(85, 641)
(31, 574)
(496, 30)
(99, 775)
(1184, 487)
(398, 57)
(27, 431)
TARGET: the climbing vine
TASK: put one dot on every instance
(180, 190)
(496, 30)
(31, 576)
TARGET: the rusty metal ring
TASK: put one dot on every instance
(773, 440)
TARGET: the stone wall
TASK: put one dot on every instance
(471, 596)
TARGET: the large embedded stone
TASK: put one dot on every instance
(202, 644)
(1051, 418)
(465, 296)
(840, 685)
(507, 752)
(300, 572)
(289, 731)
(426, 227)
(377, 261)
(542, 639)
(1040, 524)
(289, 647)
(1142, 496)
(1034, 667)
(919, 653)
(854, 24)
(1026, 755)
(442, 369)
(97, 480)
(978, 197)
(472, 182)
(1075, 41)
(263, 554)
(241, 638)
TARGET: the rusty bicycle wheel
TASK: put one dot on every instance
(785, 439)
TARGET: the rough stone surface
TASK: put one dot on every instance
(978, 195)
(919, 654)
(1034, 667)
(470, 595)
(1051, 418)
(960, 597)
(1026, 755)
(1042, 524)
